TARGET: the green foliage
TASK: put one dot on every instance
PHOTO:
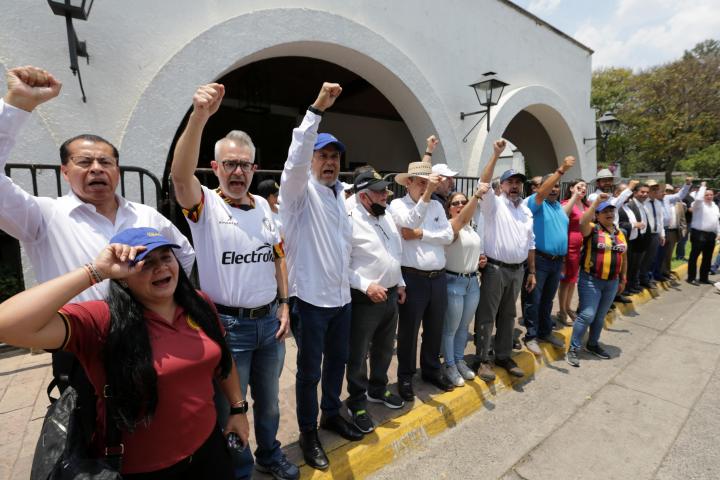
(706, 162)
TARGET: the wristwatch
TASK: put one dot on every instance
(239, 408)
(282, 300)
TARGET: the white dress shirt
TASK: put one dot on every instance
(508, 229)
(60, 235)
(315, 224)
(669, 202)
(706, 215)
(633, 219)
(655, 212)
(428, 252)
(376, 251)
(618, 201)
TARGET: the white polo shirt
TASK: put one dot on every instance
(235, 251)
(60, 235)
(705, 214)
(316, 226)
(508, 229)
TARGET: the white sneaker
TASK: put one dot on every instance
(717, 286)
(452, 374)
(465, 371)
(533, 347)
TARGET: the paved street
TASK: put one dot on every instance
(650, 412)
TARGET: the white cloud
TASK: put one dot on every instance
(642, 33)
(543, 6)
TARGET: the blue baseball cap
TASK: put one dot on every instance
(512, 173)
(324, 139)
(142, 236)
(603, 205)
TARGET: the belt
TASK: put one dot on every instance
(511, 266)
(471, 274)
(548, 256)
(423, 273)
(251, 313)
(671, 229)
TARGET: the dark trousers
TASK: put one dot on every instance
(538, 319)
(648, 260)
(671, 239)
(636, 253)
(701, 243)
(323, 339)
(211, 460)
(680, 250)
(372, 330)
(425, 303)
(498, 294)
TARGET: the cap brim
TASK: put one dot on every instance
(151, 247)
(402, 178)
(517, 175)
(378, 186)
(325, 143)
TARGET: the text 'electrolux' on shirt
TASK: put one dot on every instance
(264, 253)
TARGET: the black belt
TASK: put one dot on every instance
(424, 273)
(251, 313)
(511, 266)
(671, 229)
(548, 256)
(471, 274)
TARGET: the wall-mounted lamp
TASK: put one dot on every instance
(607, 124)
(74, 9)
(488, 91)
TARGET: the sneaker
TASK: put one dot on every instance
(465, 371)
(553, 340)
(452, 374)
(388, 399)
(572, 357)
(598, 351)
(533, 347)
(486, 372)
(361, 419)
(282, 469)
(511, 367)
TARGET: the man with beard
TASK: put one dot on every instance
(238, 244)
(377, 289)
(605, 182)
(509, 243)
(318, 235)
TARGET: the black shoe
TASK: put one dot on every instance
(342, 427)
(649, 285)
(516, 344)
(405, 389)
(633, 290)
(388, 399)
(598, 351)
(622, 299)
(705, 282)
(362, 420)
(612, 306)
(439, 381)
(693, 282)
(282, 469)
(313, 452)
(511, 367)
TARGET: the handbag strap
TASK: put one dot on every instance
(114, 448)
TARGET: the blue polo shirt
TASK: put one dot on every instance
(550, 225)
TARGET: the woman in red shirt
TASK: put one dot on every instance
(155, 343)
(574, 205)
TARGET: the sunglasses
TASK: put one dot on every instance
(458, 203)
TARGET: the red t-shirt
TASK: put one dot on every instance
(186, 361)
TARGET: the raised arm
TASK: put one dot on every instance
(546, 187)
(487, 173)
(431, 143)
(468, 211)
(206, 101)
(574, 198)
(589, 214)
(620, 200)
(700, 195)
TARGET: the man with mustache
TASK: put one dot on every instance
(241, 266)
(318, 238)
(60, 234)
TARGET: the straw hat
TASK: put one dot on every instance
(415, 169)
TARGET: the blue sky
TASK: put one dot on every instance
(632, 33)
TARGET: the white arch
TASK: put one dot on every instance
(278, 32)
(555, 116)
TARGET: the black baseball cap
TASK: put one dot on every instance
(267, 188)
(370, 181)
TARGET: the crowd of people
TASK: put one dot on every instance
(349, 276)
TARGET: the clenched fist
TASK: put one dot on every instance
(30, 86)
(568, 163)
(432, 142)
(499, 146)
(207, 99)
(327, 96)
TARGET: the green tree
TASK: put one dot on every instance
(706, 162)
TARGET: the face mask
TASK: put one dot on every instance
(377, 210)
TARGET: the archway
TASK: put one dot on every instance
(533, 142)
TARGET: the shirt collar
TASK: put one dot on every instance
(338, 188)
(72, 201)
(232, 202)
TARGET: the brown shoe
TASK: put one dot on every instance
(511, 367)
(485, 372)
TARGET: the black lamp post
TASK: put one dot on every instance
(488, 91)
(607, 124)
(74, 9)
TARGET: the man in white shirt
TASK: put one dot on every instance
(704, 230)
(655, 212)
(672, 224)
(318, 244)
(638, 239)
(425, 230)
(61, 234)
(509, 243)
(377, 287)
(241, 266)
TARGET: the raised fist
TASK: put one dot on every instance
(30, 86)
(207, 99)
(433, 180)
(482, 189)
(499, 146)
(432, 142)
(568, 163)
(688, 180)
(327, 96)
(633, 183)
(602, 197)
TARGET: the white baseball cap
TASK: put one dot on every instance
(443, 170)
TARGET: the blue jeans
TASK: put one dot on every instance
(715, 267)
(463, 297)
(538, 320)
(259, 360)
(323, 339)
(596, 296)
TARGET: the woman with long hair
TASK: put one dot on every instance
(574, 205)
(603, 274)
(154, 346)
(464, 258)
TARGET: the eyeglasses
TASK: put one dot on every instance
(85, 162)
(458, 203)
(231, 165)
